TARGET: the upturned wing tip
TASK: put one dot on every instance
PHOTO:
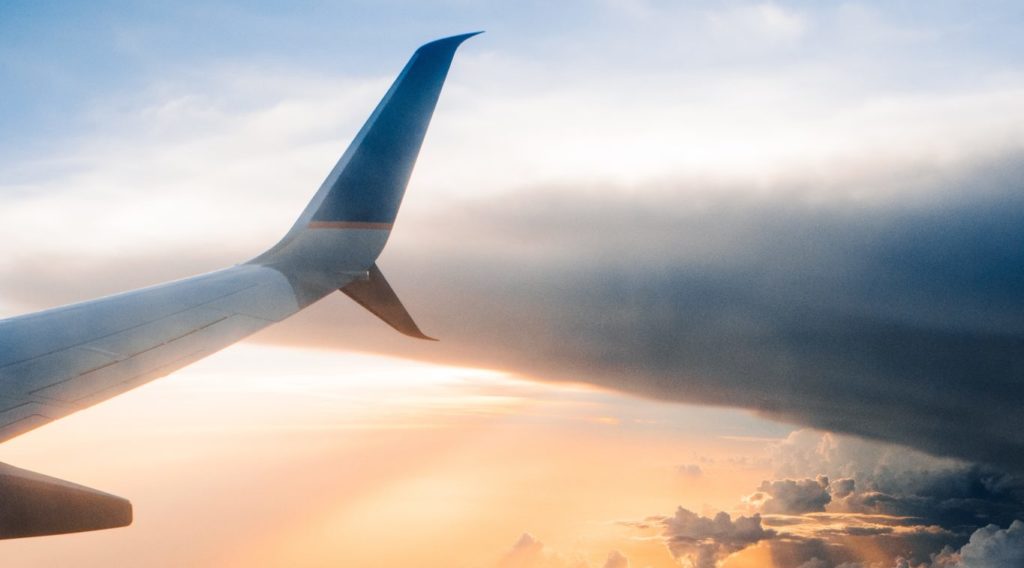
(450, 41)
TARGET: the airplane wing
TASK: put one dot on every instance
(58, 361)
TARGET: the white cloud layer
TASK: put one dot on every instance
(228, 155)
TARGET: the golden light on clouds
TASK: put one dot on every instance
(272, 456)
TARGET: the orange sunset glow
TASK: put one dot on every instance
(294, 464)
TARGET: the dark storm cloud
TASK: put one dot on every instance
(888, 306)
(897, 316)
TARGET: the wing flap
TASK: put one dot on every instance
(376, 295)
(156, 333)
(38, 372)
(151, 364)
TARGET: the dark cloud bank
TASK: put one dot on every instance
(898, 317)
(889, 305)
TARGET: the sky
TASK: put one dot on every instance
(718, 284)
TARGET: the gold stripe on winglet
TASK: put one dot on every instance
(349, 225)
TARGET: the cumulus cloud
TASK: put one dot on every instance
(526, 551)
(811, 539)
(842, 488)
(875, 478)
(616, 560)
(989, 547)
(841, 496)
(792, 496)
(529, 552)
(689, 470)
(702, 541)
(916, 510)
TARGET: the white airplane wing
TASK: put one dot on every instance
(55, 362)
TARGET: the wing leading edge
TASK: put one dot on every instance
(58, 361)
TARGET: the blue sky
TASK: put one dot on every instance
(59, 59)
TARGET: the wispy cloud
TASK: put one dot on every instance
(765, 21)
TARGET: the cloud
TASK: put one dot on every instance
(881, 318)
(792, 496)
(910, 509)
(842, 488)
(616, 560)
(765, 21)
(989, 547)
(703, 540)
(528, 552)
(888, 480)
(878, 318)
(851, 503)
(689, 470)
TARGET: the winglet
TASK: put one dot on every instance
(376, 295)
(365, 188)
(346, 225)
